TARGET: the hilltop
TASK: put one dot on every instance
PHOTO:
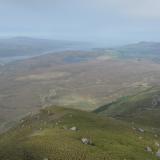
(50, 135)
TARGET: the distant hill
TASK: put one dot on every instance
(24, 46)
(141, 50)
(48, 136)
(142, 108)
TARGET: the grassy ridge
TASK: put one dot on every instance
(45, 135)
(142, 108)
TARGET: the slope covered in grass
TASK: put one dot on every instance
(143, 108)
(47, 136)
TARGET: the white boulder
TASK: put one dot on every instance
(86, 141)
(73, 128)
(148, 149)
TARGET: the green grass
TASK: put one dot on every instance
(38, 137)
(138, 108)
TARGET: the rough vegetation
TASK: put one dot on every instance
(142, 108)
(47, 135)
(127, 128)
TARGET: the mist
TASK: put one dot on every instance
(111, 22)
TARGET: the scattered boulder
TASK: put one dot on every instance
(157, 144)
(73, 128)
(22, 120)
(158, 153)
(148, 149)
(141, 130)
(156, 136)
(87, 141)
(65, 128)
(45, 158)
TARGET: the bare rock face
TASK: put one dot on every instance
(87, 141)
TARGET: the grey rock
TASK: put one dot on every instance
(155, 135)
(140, 130)
(158, 153)
(157, 144)
(73, 128)
(87, 141)
(148, 149)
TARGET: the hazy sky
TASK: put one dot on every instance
(107, 21)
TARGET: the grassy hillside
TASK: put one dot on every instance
(143, 108)
(47, 136)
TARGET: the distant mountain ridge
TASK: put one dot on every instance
(26, 46)
(149, 50)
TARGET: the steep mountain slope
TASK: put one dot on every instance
(47, 136)
(143, 108)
